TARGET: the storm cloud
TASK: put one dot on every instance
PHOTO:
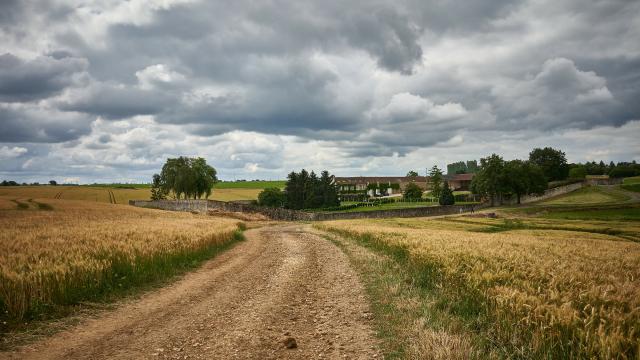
(352, 87)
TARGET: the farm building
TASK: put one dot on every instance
(459, 182)
(376, 185)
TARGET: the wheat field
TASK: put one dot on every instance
(58, 252)
(530, 293)
(111, 195)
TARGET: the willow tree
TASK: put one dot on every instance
(187, 178)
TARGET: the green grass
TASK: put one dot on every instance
(635, 187)
(620, 214)
(631, 180)
(587, 196)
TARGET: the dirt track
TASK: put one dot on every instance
(282, 282)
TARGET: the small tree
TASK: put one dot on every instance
(435, 178)
(522, 177)
(578, 172)
(271, 197)
(412, 192)
(157, 190)
(53, 182)
(488, 182)
(412, 173)
(446, 196)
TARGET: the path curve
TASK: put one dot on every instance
(283, 281)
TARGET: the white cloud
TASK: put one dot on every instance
(12, 152)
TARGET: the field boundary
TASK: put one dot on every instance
(202, 206)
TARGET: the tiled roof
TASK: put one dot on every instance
(378, 179)
(461, 177)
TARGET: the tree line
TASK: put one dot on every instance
(184, 178)
(303, 190)
(497, 178)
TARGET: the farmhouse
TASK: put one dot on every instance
(376, 185)
(459, 182)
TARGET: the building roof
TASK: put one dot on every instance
(379, 179)
(460, 177)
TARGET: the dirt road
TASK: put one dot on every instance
(282, 282)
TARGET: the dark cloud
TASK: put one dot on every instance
(33, 124)
(35, 79)
(132, 82)
(118, 102)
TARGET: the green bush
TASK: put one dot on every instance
(446, 196)
(271, 197)
(412, 192)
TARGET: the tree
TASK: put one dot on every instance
(412, 173)
(488, 181)
(53, 182)
(271, 197)
(623, 171)
(578, 172)
(552, 162)
(306, 190)
(435, 178)
(412, 192)
(157, 190)
(329, 190)
(522, 177)
(446, 197)
(188, 177)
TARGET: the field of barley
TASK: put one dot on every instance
(113, 195)
(55, 253)
(467, 287)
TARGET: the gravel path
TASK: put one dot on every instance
(282, 283)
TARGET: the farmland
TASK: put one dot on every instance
(557, 279)
(115, 195)
(56, 253)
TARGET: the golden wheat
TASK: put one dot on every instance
(101, 194)
(547, 291)
(79, 248)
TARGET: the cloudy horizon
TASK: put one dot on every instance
(105, 91)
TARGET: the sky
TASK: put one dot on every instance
(106, 91)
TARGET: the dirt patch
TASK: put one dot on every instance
(282, 283)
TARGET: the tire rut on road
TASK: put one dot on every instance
(283, 281)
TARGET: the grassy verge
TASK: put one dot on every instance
(123, 274)
(408, 325)
(416, 314)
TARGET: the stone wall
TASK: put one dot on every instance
(297, 215)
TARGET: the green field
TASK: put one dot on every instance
(631, 180)
(588, 196)
(619, 214)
